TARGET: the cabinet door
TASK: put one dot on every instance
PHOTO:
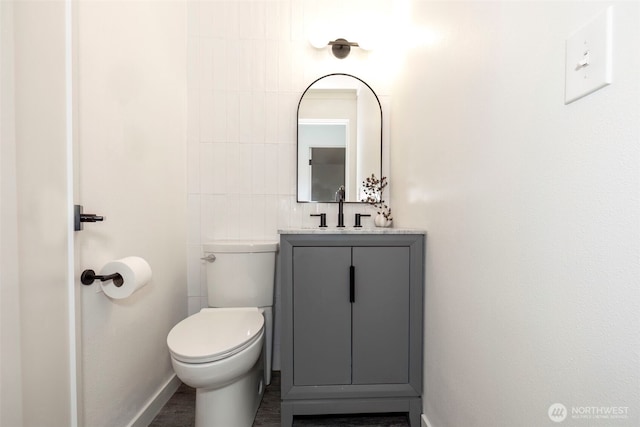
(321, 316)
(381, 315)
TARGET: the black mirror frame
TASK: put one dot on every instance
(298, 130)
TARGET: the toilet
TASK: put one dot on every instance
(224, 351)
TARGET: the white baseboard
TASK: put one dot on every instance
(149, 412)
(425, 421)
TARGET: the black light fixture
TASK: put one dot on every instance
(339, 47)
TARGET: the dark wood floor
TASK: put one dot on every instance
(179, 412)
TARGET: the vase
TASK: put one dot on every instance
(381, 221)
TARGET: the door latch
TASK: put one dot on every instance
(80, 217)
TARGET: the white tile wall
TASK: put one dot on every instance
(248, 64)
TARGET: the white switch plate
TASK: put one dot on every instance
(589, 57)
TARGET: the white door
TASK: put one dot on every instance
(38, 291)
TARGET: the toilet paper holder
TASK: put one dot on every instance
(89, 276)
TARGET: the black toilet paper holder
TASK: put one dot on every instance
(89, 276)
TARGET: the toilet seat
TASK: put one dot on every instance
(215, 334)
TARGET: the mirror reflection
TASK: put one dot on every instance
(339, 139)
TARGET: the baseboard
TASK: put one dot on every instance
(425, 421)
(149, 412)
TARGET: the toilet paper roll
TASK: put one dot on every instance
(135, 272)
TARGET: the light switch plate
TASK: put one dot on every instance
(589, 57)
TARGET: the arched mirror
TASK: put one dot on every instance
(339, 138)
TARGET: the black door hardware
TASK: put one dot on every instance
(80, 217)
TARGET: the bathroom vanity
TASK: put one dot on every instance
(352, 314)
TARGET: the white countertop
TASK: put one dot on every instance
(351, 230)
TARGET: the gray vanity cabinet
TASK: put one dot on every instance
(352, 324)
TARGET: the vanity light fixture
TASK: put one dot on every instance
(339, 47)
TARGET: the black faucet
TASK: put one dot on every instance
(358, 222)
(323, 219)
(340, 200)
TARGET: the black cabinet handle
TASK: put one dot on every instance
(352, 284)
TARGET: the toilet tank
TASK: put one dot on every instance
(242, 274)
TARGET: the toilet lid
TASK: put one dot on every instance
(214, 334)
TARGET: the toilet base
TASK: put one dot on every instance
(234, 404)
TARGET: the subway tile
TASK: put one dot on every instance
(259, 65)
(193, 115)
(193, 166)
(284, 212)
(296, 213)
(257, 217)
(214, 221)
(243, 169)
(271, 117)
(232, 14)
(271, 217)
(297, 21)
(255, 20)
(287, 117)
(240, 216)
(258, 167)
(232, 62)
(270, 168)
(233, 116)
(219, 67)
(285, 66)
(193, 19)
(298, 79)
(271, 65)
(248, 63)
(206, 162)
(219, 165)
(219, 116)
(232, 214)
(206, 13)
(257, 116)
(193, 63)
(244, 23)
(233, 159)
(313, 69)
(206, 113)
(244, 117)
(193, 219)
(219, 20)
(286, 163)
(290, 131)
(284, 16)
(205, 63)
(293, 181)
(272, 21)
(245, 62)
(193, 270)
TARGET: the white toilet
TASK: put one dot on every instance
(225, 351)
